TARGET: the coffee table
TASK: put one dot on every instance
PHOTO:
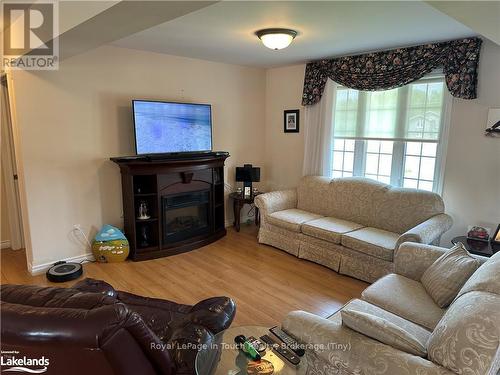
(223, 358)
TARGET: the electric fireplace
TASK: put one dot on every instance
(185, 215)
(172, 204)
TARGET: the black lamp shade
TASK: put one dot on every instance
(248, 173)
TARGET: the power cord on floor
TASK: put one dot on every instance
(78, 229)
(251, 211)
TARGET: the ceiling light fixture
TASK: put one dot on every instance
(276, 38)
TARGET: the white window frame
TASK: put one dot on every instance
(398, 153)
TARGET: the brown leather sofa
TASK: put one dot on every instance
(93, 329)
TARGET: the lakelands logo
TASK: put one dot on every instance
(12, 362)
(30, 33)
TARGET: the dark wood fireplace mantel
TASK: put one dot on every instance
(184, 196)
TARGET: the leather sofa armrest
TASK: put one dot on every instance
(184, 329)
(215, 313)
(135, 301)
(95, 286)
(427, 231)
(412, 259)
(276, 201)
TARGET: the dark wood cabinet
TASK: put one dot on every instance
(184, 198)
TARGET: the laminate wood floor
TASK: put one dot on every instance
(266, 283)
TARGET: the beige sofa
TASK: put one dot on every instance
(463, 339)
(351, 225)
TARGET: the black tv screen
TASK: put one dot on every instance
(163, 127)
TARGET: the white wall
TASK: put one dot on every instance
(72, 120)
(472, 174)
(471, 188)
(284, 151)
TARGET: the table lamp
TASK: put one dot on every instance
(247, 174)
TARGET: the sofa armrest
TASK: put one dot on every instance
(214, 314)
(276, 201)
(344, 351)
(412, 259)
(427, 231)
(95, 286)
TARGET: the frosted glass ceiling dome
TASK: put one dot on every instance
(276, 38)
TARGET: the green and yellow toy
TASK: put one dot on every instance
(110, 245)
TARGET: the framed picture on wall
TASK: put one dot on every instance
(291, 121)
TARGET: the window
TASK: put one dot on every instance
(393, 136)
(343, 158)
(379, 160)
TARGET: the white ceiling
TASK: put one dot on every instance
(225, 31)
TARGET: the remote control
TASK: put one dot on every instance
(284, 352)
(290, 342)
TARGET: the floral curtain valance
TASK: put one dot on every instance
(394, 68)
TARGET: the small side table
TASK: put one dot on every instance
(486, 249)
(239, 201)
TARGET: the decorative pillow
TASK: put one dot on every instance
(485, 279)
(468, 336)
(446, 276)
(387, 332)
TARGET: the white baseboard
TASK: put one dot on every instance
(42, 268)
(5, 244)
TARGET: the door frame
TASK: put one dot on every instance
(11, 166)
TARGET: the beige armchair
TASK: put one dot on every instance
(462, 339)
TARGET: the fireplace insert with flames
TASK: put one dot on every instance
(185, 215)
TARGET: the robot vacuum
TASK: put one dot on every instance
(63, 271)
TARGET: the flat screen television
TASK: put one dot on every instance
(168, 127)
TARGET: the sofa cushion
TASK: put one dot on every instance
(329, 228)
(406, 298)
(467, 338)
(485, 279)
(385, 327)
(446, 276)
(372, 241)
(291, 219)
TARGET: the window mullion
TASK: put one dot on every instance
(398, 148)
(359, 158)
(398, 154)
(360, 147)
